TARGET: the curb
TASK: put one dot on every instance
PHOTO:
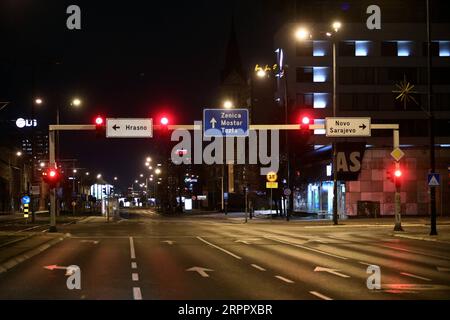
(12, 262)
(405, 236)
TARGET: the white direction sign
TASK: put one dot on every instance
(129, 128)
(348, 127)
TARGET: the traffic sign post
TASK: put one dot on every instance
(225, 122)
(129, 128)
(348, 127)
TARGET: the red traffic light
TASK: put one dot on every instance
(99, 121)
(164, 121)
(306, 120)
(51, 176)
(52, 173)
(398, 173)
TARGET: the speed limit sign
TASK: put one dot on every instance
(272, 177)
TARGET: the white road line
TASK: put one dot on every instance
(133, 265)
(137, 295)
(306, 248)
(319, 295)
(284, 279)
(365, 263)
(135, 277)
(414, 276)
(219, 248)
(258, 267)
(133, 254)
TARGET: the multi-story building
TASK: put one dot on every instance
(370, 65)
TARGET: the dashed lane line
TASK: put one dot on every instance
(135, 277)
(132, 252)
(133, 265)
(414, 276)
(258, 267)
(284, 279)
(137, 295)
(319, 295)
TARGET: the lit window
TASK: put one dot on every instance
(320, 100)
(404, 48)
(320, 48)
(362, 48)
(444, 48)
(320, 74)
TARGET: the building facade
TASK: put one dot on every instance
(371, 65)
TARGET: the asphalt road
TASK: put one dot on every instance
(145, 256)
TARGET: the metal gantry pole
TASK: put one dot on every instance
(52, 164)
(398, 200)
(288, 159)
(433, 230)
(335, 186)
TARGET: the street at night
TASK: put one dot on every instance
(225, 158)
(142, 255)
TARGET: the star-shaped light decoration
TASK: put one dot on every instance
(405, 92)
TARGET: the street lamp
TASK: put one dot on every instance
(87, 173)
(99, 176)
(261, 73)
(115, 178)
(336, 26)
(158, 171)
(148, 159)
(302, 34)
(38, 101)
(19, 153)
(228, 104)
(76, 102)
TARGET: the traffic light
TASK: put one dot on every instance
(398, 178)
(305, 122)
(164, 121)
(100, 127)
(52, 177)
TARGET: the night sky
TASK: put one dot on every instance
(131, 59)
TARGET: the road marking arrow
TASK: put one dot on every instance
(213, 123)
(332, 271)
(201, 271)
(169, 242)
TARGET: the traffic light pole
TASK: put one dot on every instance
(398, 201)
(52, 129)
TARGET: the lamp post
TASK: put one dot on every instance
(303, 34)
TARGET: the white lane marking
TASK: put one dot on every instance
(365, 263)
(319, 295)
(306, 248)
(331, 271)
(201, 271)
(133, 254)
(137, 295)
(258, 267)
(133, 265)
(219, 248)
(135, 277)
(284, 279)
(169, 242)
(414, 276)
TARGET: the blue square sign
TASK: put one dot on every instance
(225, 123)
(434, 180)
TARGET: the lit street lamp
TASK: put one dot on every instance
(228, 104)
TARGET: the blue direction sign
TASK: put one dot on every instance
(434, 180)
(225, 123)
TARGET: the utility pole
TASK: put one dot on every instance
(335, 182)
(433, 231)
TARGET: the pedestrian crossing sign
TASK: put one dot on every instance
(434, 180)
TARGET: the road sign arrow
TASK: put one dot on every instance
(363, 126)
(332, 271)
(213, 123)
(169, 242)
(201, 271)
(115, 127)
(55, 267)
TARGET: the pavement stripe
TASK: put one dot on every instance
(219, 248)
(133, 265)
(135, 277)
(133, 254)
(414, 276)
(306, 248)
(284, 279)
(258, 267)
(365, 263)
(319, 295)
(137, 295)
